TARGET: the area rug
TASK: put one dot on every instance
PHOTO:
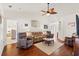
(48, 49)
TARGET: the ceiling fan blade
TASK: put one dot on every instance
(49, 10)
(43, 11)
(53, 13)
(44, 14)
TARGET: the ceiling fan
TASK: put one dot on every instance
(49, 10)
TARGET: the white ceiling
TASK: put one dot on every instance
(32, 10)
(35, 7)
(25, 7)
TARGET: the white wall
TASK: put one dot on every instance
(66, 28)
(21, 25)
(41, 23)
(1, 40)
(3, 35)
(70, 24)
(2, 30)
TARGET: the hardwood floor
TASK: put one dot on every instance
(76, 47)
(11, 50)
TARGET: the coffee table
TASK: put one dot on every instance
(48, 41)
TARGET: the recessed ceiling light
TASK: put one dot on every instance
(10, 6)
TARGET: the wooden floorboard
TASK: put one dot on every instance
(11, 50)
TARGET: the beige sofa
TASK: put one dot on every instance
(37, 36)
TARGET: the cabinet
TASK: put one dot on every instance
(69, 41)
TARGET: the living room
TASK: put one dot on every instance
(31, 24)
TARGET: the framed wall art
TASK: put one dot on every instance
(45, 26)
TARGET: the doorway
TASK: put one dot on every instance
(11, 31)
(54, 29)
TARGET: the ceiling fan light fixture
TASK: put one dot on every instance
(49, 11)
(10, 6)
(48, 14)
